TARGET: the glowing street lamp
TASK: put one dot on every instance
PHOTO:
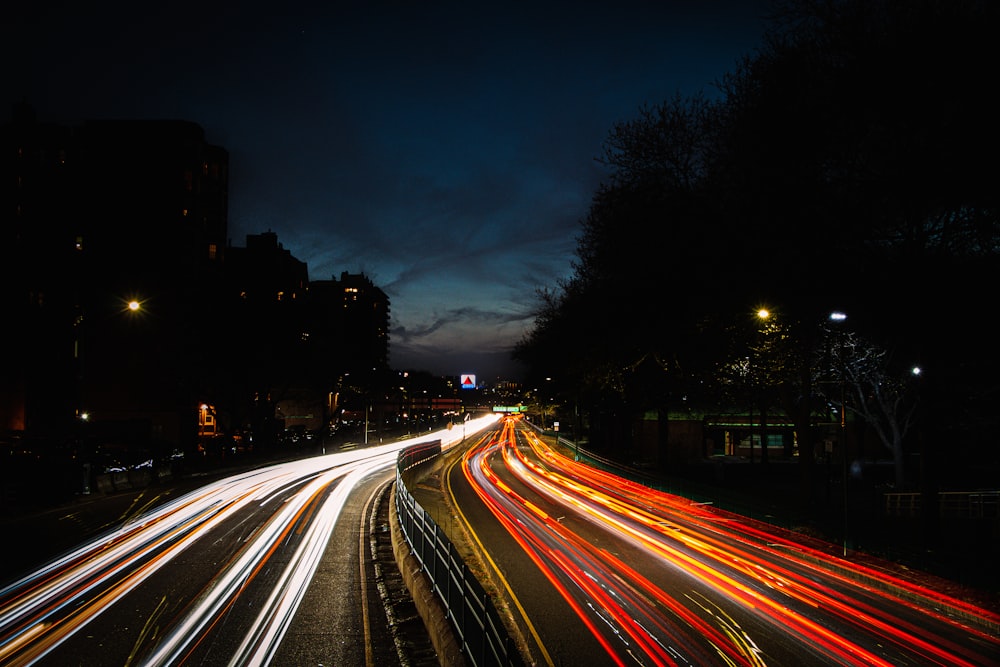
(132, 305)
(838, 317)
(762, 315)
(547, 387)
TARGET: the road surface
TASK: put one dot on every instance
(600, 571)
(272, 565)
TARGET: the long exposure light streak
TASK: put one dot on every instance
(804, 595)
(305, 497)
(798, 582)
(617, 615)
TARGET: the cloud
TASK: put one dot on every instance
(458, 318)
(447, 152)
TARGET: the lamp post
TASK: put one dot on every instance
(541, 398)
(763, 315)
(538, 399)
(84, 346)
(86, 349)
(839, 317)
(576, 428)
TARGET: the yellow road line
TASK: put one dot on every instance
(369, 652)
(482, 549)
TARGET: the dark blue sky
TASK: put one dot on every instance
(445, 149)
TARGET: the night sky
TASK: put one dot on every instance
(446, 150)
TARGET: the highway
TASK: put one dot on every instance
(602, 571)
(265, 566)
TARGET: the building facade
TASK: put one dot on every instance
(133, 319)
(95, 216)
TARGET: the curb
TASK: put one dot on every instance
(429, 606)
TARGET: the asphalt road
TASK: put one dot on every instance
(502, 566)
(208, 571)
(598, 572)
(566, 533)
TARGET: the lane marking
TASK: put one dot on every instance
(486, 555)
(366, 625)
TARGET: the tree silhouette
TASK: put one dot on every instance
(846, 166)
(885, 397)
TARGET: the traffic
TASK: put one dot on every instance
(656, 579)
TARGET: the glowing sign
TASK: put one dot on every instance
(468, 382)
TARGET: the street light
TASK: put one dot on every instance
(86, 342)
(541, 398)
(576, 430)
(763, 315)
(839, 317)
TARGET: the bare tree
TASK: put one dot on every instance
(873, 389)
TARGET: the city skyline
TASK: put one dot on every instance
(447, 153)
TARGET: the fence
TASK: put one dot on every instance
(483, 639)
(975, 504)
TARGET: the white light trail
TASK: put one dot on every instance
(43, 609)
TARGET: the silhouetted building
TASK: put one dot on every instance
(266, 354)
(265, 272)
(95, 215)
(366, 322)
(269, 286)
(349, 320)
(100, 214)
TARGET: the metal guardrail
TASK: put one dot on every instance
(477, 624)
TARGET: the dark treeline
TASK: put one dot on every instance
(849, 164)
